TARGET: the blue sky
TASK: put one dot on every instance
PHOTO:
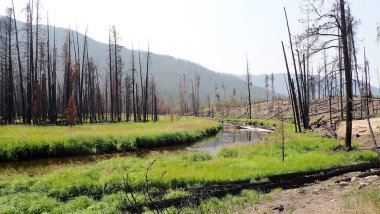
(215, 33)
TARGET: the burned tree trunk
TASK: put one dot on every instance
(295, 69)
(292, 90)
(22, 92)
(140, 110)
(110, 76)
(348, 76)
(249, 91)
(146, 87)
(81, 109)
(9, 96)
(133, 87)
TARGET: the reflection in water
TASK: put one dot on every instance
(228, 136)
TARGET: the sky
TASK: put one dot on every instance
(217, 34)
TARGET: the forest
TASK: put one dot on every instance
(35, 89)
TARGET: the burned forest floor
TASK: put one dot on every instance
(321, 120)
(348, 193)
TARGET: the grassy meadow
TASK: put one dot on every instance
(97, 188)
(30, 142)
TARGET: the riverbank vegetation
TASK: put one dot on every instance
(30, 142)
(100, 187)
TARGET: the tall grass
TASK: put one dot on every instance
(228, 204)
(29, 142)
(98, 186)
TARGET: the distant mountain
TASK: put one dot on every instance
(280, 84)
(167, 70)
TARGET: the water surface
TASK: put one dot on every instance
(229, 135)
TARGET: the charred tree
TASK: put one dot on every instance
(292, 91)
(347, 74)
(21, 84)
(249, 91)
(145, 116)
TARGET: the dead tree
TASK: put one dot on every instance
(31, 92)
(21, 84)
(82, 76)
(347, 74)
(54, 82)
(266, 85)
(272, 86)
(146, 97)
(10, 97)
(140, 110)
(324, 36)
(292, 91)
(128, 90)
(117, 64)
(133, 86)
(110, 76)
(249, 91)
(30, 72)
(295, 71)
(181, 92)
(197, 88)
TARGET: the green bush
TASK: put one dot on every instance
(228, 153)
(198, 156)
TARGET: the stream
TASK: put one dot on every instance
(229, 135)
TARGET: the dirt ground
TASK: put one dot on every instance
(320, 197)
(361, 131)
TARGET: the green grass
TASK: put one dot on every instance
(29, 142)
(365, 200)
(228, 204)
(97, 187)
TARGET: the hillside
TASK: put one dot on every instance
(166, 69)
(280, 84)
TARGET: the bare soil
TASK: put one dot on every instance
(320, 197)
(361, 131)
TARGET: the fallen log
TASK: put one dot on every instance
(330, 130)
(362, 175)
(288, 180)
(317, 121)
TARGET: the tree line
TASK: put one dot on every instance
(329, 37)
(36, 89)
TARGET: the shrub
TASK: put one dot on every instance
(228, 153)
(198, 156)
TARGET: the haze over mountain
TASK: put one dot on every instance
(280, 84)
(167, 70)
